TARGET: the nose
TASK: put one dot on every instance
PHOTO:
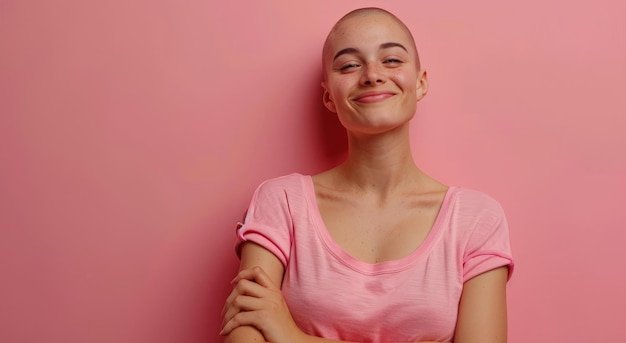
(373, 74)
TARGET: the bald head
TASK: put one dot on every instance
(362, 13)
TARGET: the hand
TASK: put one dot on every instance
(256, 301)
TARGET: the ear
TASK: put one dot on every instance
(422, 84)
(327, 100)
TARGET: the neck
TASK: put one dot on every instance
(380, 164)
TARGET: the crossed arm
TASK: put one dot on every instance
(255, 311)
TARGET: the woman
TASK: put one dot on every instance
(373, 250)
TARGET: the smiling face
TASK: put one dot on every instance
(371, 72)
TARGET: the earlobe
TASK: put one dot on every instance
(422, 85)
(328, 101)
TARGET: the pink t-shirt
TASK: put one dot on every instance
(331, 294)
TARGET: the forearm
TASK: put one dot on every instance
(247, 334)
(312, 339)
(323, 340)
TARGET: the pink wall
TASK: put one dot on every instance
(133, 132)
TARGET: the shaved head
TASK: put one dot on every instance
(360, 13)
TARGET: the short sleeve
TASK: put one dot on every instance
(488, 245)
(268, 221)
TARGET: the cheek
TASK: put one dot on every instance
(406, 80)
(339, 88)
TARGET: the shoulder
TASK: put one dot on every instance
(284, 181)
(482, 231)
(287, 188)
(475, 199)
(473, 204)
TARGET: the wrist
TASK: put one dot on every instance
(301, 337)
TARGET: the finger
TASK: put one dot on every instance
(258, 275)
(240, 304)
(245, 287)
(251, 318)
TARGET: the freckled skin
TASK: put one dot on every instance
(382, 60)
(360, 13)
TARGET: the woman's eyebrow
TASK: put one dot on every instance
(392, 45)
(345, 51)
(382, 46)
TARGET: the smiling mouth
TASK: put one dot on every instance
(373, 97)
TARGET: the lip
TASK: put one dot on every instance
(371, 97)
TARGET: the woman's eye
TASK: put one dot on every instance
(348, 66)
(392, 61)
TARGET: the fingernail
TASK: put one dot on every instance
(234, 280)
(222, 332)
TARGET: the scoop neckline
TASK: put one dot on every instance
(391, 266)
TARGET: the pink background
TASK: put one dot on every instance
(133, 132)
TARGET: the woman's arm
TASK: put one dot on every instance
(258, 290)
(255, 308)
(482, 309)
(253, 255)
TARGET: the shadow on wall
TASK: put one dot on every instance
(329, 143)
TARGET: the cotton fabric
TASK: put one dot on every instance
(331, 294)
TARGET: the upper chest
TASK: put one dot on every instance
(375, 231)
